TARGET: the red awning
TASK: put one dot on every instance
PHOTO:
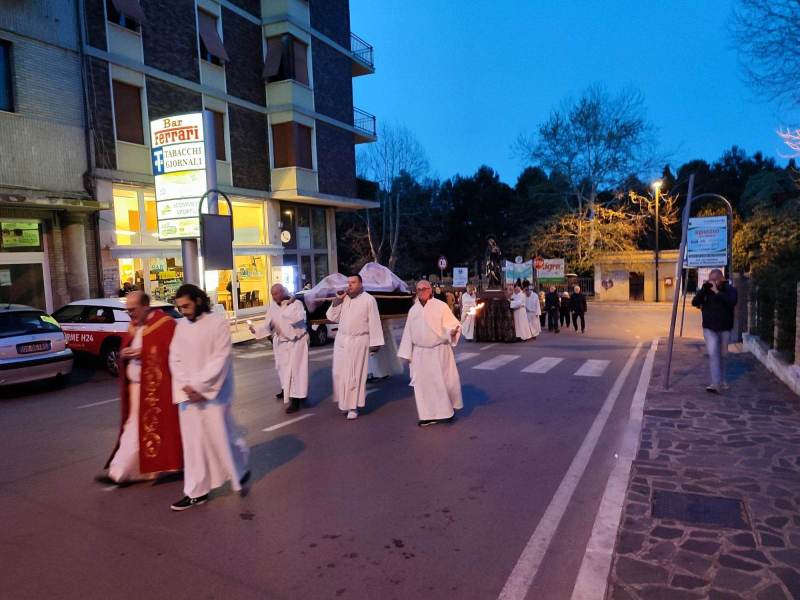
(131, 9)
(210, 36)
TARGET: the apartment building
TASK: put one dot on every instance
(278, 78)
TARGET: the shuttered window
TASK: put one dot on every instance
(6, 88)
(128, 113)
(211, 47)
(291, 145)
(287, 58)
(219, 135)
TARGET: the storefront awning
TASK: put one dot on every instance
(337, 202)
(131, 9)
(76, 204)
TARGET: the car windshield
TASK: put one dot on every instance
(26, 322)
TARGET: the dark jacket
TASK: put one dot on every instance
(717, 308)
(577, 303)
(552, 301)
(564, 304)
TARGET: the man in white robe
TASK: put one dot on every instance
(359, 333)
(534, 310)
(285, 321)
(201, 361)
(384, 363)
(469, 300)
(430, 333)
(522, 328)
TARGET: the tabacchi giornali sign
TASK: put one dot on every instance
(179, 168)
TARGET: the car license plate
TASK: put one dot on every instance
(33, 347)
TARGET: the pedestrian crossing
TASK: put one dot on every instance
(588, 367)
(543, 365)
(501, 360)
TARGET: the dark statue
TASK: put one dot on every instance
(493, 264)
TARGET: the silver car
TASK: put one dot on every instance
(32, 346)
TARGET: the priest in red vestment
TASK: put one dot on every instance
(149, 440)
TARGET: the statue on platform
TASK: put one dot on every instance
(493, 264)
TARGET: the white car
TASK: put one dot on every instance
(32, 347)
(97, 326)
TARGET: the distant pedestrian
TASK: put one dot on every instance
(439, 294)
(716, 299)
(450, 299)
(534, 311)
(564, 310)
(201, 361)
(359, 333)
(469, 300)
(578, 308)
(542, 309)
(552, 304)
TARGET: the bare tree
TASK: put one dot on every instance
(596, 141)
(768, 35)
(397, 151)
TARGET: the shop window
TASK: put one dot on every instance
(291, 145)
(150, 215)
(219, 135)
(128, 112)
(251, 272)
(6, 87)
(306, 277)
(287, 58)
(319, 232)
(131, 275)
(211, 47)
(22, 284)
(248, 223)
(21, 236)
(126, 216)
(125, 13)
(166, 276)
(321, 270)
(288, 237)
(303, 228)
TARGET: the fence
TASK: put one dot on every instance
(772, 315)
(586, 284)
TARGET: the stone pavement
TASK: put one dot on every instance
(743, 445)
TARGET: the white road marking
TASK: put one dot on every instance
(592, 368)
(543, 365)
(97, 403)
(462, 356)
(486, 347)
(496, 362)
(289, 422)
(325, 358)
(260, 354)
(110, 488)
(519, 582)
(592, 578)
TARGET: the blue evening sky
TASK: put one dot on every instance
(467, 77)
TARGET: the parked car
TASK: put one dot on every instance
(32, 347)
(96, 327)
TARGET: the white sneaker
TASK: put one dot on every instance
(352, 414)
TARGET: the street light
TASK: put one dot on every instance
(657, 187)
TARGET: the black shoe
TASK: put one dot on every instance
(279, 396)
(186, 502)
(427, 422)
(294, 406)
(105, 480)
(245, 478)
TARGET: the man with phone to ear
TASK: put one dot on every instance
(359, 334)
(716, 299)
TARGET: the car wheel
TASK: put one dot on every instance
(60, 381)
(110, 356)
(321, 336)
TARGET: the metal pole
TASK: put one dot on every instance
(658, 280)
(678, 270)
(685, 290)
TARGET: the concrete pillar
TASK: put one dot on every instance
(75, 259)
(797, 329)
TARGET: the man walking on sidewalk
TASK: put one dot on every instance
(716, 299)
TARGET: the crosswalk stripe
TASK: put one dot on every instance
(498, 361)
(462, 356)
(543, 365)
(260, 354)
(592, 368)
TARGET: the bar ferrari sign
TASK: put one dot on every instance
(179, 168)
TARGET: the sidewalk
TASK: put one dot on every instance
(722, 475)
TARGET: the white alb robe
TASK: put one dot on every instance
(214, 450)
(384, 362)
(287, 325)
(534, 309)
(468, 301)
(359, 329)
(428, 346)
(522, 328)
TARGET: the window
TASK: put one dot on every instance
(126, 217)
(219, 134)
(128, 113)
(18, 323)
(72, 313)
(291, 145)
(318, 229)
(211, 47)
(287, 58)
(125, 13)
(6, 93)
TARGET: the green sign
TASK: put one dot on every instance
(21, 234)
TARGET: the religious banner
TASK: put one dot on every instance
(522, 271)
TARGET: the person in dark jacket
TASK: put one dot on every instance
(577, 306)
(564, 310)
(552, 303)
(716, 299)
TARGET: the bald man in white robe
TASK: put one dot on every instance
(285, 321)
(359, 333)
(430, 333)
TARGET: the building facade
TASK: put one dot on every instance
(277, 78)
(631, 276)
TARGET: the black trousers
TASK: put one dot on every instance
(565, 318)
(552, 319)
(575, 317)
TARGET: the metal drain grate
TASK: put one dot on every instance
(703, 510)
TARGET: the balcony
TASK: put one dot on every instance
(363, 56)
(364, 124)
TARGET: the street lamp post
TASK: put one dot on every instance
(657, 187)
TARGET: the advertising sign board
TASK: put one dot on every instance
(707, 242)
(460, 276)
(552, 269)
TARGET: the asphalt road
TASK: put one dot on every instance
(373, 508)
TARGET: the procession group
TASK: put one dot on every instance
(177, 378)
